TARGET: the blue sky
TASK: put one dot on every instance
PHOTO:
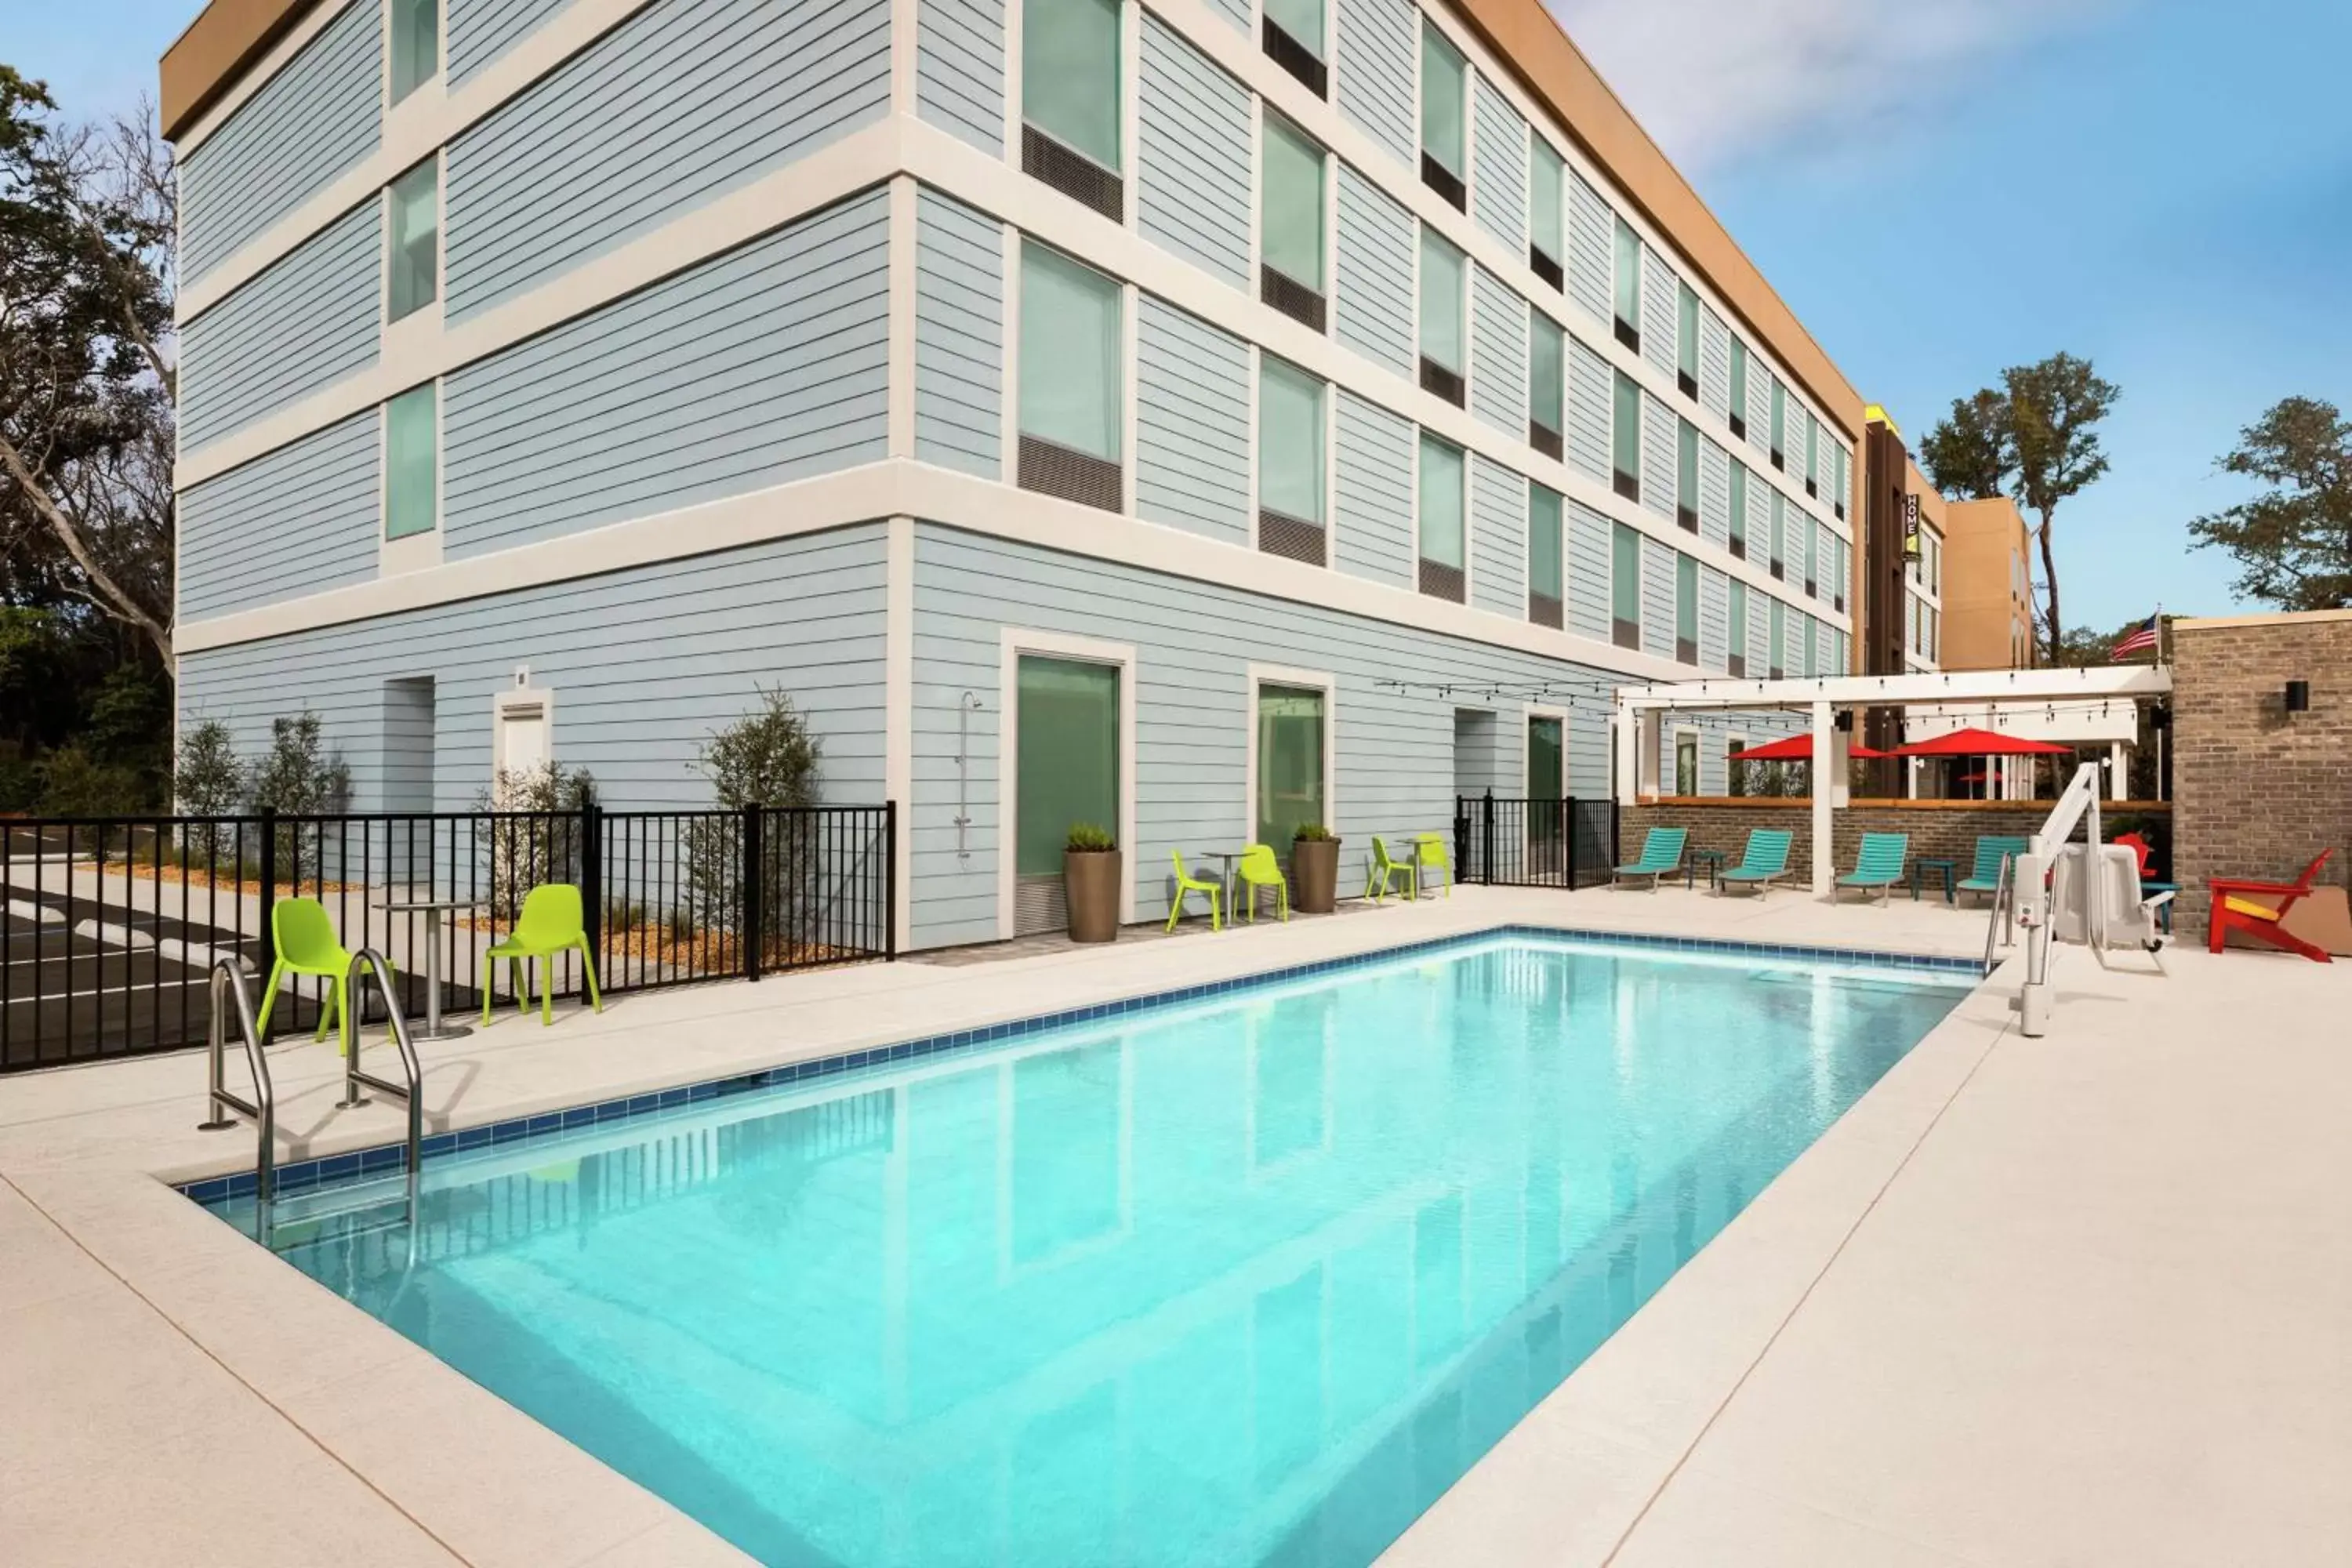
(1940, 188)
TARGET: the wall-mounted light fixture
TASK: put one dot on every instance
(1845, 720)
(2298, 696)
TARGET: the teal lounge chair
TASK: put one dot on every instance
(1984, 876)
(1879, 866)
(1662, 856)
(1765, 861)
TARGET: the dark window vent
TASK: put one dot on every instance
(1629, 334)
(1548, 442)
(1685, 651)
(1779, 460)
(1812, 590)
(1738, 665)
(1279, 533)
(1547, 268)
(1436, 378)
(1628, 486)
(1053, 470)
(1779, 571)
(1839, 602)
(1740, 427)
(1840, 510)
(1688, 383)
(1290, 297)
(1297, 58)
(1441, 582)
(1073, 173)
(1739, 548)
(1688, 519)
(1812, 490)
(1444, 182)
(1625, 632)
(1776, 672)
(1545, 611)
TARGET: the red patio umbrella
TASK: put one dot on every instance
(1981, 743)
(1797, 749)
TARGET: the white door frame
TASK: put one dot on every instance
(1012, 643)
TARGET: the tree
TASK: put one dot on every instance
(2036, 436)
(87, 377)
(2293, 541)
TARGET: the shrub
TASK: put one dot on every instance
(535, 836)
(1313, 833)
(1086, 839)
(299, 777)
(766, 758)
(206, 778)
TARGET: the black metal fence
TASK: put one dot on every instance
(1520, 843)
(111, 926)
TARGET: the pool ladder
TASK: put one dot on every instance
(228, 977)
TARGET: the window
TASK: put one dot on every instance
(1546, 225)
(1546, 569)
(1778, 632)
(1441, 520)
(1739, 508)
(1444, 105)
(1735, 773)
(1841, 571)
(1812, 452)
(416, 44)
(1628, 287)
(1687, 340)
(1780, 424)
(1813, 555)
(1545, 781)
(1070, 99)
(1625, 438)
(1738, 386)
(409, 469)
(1625, 586)
(1069, 379)
(1294, 40)
(1289, 461)
(1779, 535)
(1686, 476)
(1806, 640)
(1685, 763)
(1685, 609)
(1546, 355)
(1291, 224)
(1442, 359)
(1290, 761)
(1065, 755)
(412, 231)
(1737, 656)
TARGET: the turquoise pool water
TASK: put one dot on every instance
(1250, 1280)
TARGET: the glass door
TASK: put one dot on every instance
(1545, 830)
(1066, 756)
(1289, 763)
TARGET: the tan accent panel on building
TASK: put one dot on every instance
(205, 62)
(1986, 620)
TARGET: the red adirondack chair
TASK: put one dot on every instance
(2234, 910)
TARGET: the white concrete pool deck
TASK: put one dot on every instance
(2080, 1300)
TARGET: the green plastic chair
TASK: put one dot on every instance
(1984, 876)
(306, 944)
(1879, 866)
(1380, 879)
(1259, 870)
(1765, 860)
(1429, 854)
(1207, 886)
(551, 924)
(1662, 856)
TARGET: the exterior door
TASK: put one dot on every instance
(1066, 755)
(1289, 764)
(1545, 830)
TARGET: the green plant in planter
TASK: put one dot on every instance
(1314, 833)
(1085, 839)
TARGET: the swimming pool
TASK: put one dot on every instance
(1244, 1280)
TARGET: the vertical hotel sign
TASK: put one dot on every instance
(1911, 525)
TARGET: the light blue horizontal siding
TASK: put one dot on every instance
(294, 522)
(482, 30)
(1499, 179)
(1591, 385)
(1394, 751)
(1714, 494)
(645, 665)
(1375, 494)
(1591, 234)
(1499, 354)
(316, 118)
(1377, 61)
(766, 364)
(1714, 618)
(958, 336)
(1760, 633)
(1660, 312)
(681, 104)
(1759, 517)
(960, 70)
(1237, 12)
(1658, 458)
(1589, 543)
(1714, 363)
(1192, 156)
(1498, 539)
(1374, 312)
(1759, 408)
(1191, 424)
(310, 320)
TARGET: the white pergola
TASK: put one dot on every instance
(1641, 708)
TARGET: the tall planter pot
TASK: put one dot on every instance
(1313, 875)
(1090, 879)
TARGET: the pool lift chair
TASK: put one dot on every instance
(2087, 893)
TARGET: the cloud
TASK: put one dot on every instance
(1720, 81)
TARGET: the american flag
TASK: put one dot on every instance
(2141, 639)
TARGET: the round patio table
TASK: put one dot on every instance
(433, 910)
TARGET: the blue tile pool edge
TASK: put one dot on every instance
(301, 1174)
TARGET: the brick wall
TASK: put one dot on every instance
(2259, 791)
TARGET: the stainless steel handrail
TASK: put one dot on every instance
(355, 1080)
(228, 976)
(2004, 896)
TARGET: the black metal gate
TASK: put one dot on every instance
(1511, 842)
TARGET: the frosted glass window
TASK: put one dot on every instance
(1068, 757)
(1685, 599)
(1441, 301)
(1546, 226)
(1687, 467)
(412, 277)
(1292, 219)
(1069, 74)
(1625, 433)
(1629, 275)
(1290, 441)
(1302, 19)
(1780, 530)
(1779, 418)
(1687, 330)
(1289, 763)
(1444, 98)
(1778, 629)
(1069, 353)
(1739, 500)
(416, 44)
(1546, 574)
(1625, 574)
(1547, 349)
(1440, 502)
(1739, 618)
(1738, 380)
(408, 464)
